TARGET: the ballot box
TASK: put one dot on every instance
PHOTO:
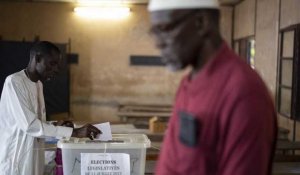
(125, 154)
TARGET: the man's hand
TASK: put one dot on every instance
(87, 130)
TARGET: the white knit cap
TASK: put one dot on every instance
(156, 5)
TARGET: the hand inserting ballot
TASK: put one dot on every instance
(87, 130)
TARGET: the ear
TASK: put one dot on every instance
(202, 24)
(38, 57)
(199, 22)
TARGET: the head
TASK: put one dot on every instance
(181, 29)
(45, 58)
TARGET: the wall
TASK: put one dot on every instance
(103, 78)
(252, 19)
(226, 24)
(264, 20)
(266, 38)
(244, 19)
(290, 13)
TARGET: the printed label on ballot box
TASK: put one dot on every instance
(105, 164)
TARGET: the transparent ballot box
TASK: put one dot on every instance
(76, 153)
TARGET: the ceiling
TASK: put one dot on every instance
(223, 2)
(230, 2)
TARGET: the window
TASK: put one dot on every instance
(245, 48)
(288, 94)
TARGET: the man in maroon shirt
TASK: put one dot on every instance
(223, 122)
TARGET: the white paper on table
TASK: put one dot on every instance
(106, 131)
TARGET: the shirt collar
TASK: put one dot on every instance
(208, 69)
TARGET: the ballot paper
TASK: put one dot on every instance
(106, 131)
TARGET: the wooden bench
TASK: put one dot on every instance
(287, 158)
(125, 116)
(286, 168)
(287, 147)
(143, 111)
(283, 134)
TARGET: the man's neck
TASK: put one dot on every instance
(207, 52)
(31, 75)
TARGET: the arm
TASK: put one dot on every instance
(23, 112)
(250, 136)
(167, 157)
(168, 153)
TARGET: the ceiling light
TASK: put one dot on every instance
(105, 12)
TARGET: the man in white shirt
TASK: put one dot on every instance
(23, 115)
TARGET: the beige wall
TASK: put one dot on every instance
(266, 44)
(244, 19)
(290, 13)
(226, 24)
(103, 78)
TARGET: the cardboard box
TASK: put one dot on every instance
(157, 126)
